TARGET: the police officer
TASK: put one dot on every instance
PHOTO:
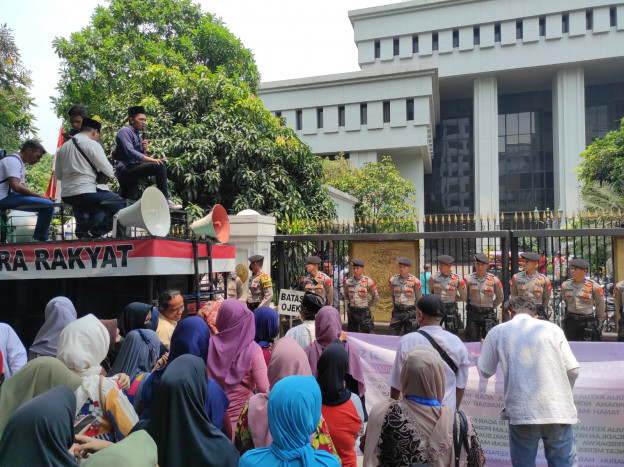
(405, 291)
(260, 286)
(234, 286)
(317, 281)
(584, 302)
(449, 287)
(617, 302)
(531, 284)
(358, 289)
(484, 293)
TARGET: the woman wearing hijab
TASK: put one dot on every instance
(266, 330)
(341, 409)
(209, 312)
(137, 450)
(179, 423)
(41, 432)
(59, 312)
(82, 345)
(416, 429)
(234, 359)
(36, 377)
(294, 411)
(288, 359)
(136, 315)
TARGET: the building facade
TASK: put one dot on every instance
(484, 104)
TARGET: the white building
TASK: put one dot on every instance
(484, 104)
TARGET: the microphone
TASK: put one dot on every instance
(144, 138)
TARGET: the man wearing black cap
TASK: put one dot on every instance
(484, 293)
(451, 289)
(317, 281)
(405, 291)
(133, 163)
(428, 316)
(531, 284)
(260, 292)
(358, 288)
(584, 302)
(305, 333)
(77, 163)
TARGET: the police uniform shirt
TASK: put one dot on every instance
(486, 292)
(260, 289)
(581, 297)
(358, 290)
(405, 292)
(537, 287)
(321, 284)
(447, 287)
(617, 296)
(234, 288)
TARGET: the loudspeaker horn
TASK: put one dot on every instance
(151, 213)
(215, 225)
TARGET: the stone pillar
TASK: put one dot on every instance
(568, 108)
(359, 158)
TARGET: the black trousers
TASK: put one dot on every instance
(130, 177)
(402, 320)
(478, 324)
(574, 329)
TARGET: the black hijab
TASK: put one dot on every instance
(179, 423)
(133, 317)
(41, 431)
(332, 367)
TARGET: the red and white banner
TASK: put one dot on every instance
(123, 257)
(598, 395)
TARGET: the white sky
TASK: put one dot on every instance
(289, 38)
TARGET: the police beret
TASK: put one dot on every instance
(579, 263)
(357, 262)
(431, 305)
(530, 256)
(90, 123)
(446, 259)
(482, 258)
(404, 260)
(136, 110)
(254, 258)
(313, 260)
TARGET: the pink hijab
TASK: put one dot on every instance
(287, 359)
(328, 327)
(232, 348)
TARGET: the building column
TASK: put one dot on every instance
(568, 107)
(359, 158)
(485, 107)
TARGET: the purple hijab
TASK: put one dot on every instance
(328, 327)
(59, 312)
(233, 347)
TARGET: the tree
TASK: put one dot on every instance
(380, 190)
(197, 83)
(15, 103)
(603, 161)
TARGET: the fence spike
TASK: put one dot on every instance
(454, 218)
(573, 215)
(417, 219)
(474, 217)
(436, 218)
(522, 217)
(495, 218)
(566, 216)
(443, 219)
(481, 218)
(488, 218)
(611, 214)
(551, 216)
(516, 217)
(461, 217)
(502, 217)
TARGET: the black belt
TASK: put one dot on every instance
(404, 307)
(451, 306)
(358, 309)
(478, 309)
(579, 317)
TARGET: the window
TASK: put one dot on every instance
(299, 119)
(409, 110)
(455, 38)
(414, 44)
(612, 16)
(278, 114)
(363, 114)
(476, 35)
(377, 49)
(565, 24)
(518, 29)
(319, 118)
(341, 115)
(589, 20)
(395, 47)
(497, 33)
(434, 41)
(542, 26)
(386, 111)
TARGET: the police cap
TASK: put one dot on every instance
(313, 260)
(482, 258)
(446, 259)
(579, 263)
(431, 305)
(404, 260)
(530, 256)
(254, 258)
(357, 262)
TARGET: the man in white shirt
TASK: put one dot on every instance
(12, 349)
(78, 180)
(539, 370)
(305, 333)
(429, 313)
(15, 195)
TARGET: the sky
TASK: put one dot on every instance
(290, 39)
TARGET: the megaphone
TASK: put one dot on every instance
(151, 213)
(215, 225)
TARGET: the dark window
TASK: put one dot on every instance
(377, 49)
(414, 44)
(613, 16)
(476, 35)
(409, 110)
(386, 111)
(319, 118)
(299, 118)
(604, 109)
(589, 19)
(518, 29)
(542, 26)
(395, 47)
(341, 116)
(363, 114)
(434, 41)
(565, 24)
(497, 33)
(455, 38)
(278, 114)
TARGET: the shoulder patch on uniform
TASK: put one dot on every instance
(265, 280)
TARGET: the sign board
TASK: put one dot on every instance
(288, 303)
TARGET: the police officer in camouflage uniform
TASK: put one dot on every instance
(317, 281)
(260, 291)
(357, 290)
(484, 292)
(619, 316)
(448, 286)
(585, 304)
(405, 291)
(531, 284)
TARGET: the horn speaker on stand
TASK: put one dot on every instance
(151, 213)
(215, 225)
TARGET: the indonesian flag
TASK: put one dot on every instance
(54, 185)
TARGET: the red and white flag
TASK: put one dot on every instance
(54, 185)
